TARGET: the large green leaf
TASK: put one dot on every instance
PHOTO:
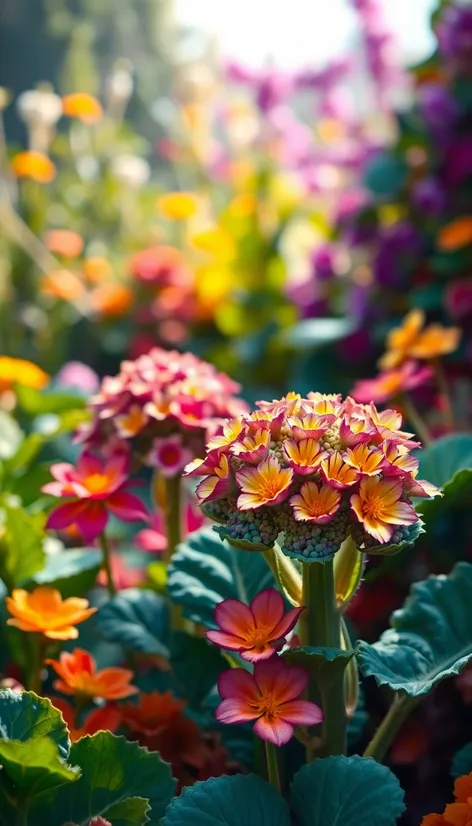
(131, 812)
(204, 571)
(242, 800)
(462, 761)
(21, 544)
(11, 436)
(138, 620)
(34, 767)
(25, 716)
(197, 665)
(72, 572)
(348, 791)
(430, 637)
(447, 463)
(113, 770)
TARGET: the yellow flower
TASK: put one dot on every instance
(34, 165)
(44, 611)
(266, 484)
(19, 371)
(410, 341)
(82, 106)
(215, 241)
(178, 206)
(315, 504)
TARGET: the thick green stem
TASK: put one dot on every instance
(321, 626)
(272, 766)
(401, 707)
(285, 573)
(35, 679)
(172, 514)
(106, 560)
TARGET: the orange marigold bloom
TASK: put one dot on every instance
(62, 284)
(19, 371)
(178, 206)
(45, 612)
(83, 106)
(455, 235)
(410, 341)
(379, 508)
(79, 675)
(111, 300)
(64, 242)
(34, 165)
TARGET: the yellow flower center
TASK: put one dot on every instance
(259, 636)
(96, 482)
(373, 507)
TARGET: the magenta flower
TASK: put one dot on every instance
(391, 384)
(169, 454)
(255, 631)
(270, 696)
(95, 488)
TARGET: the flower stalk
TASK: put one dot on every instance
(401, 708)
(273, 774)
(106, 560)
(416, 419)
(172, 513)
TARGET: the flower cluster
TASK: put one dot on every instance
(459, 812)
(315, 469)
(164, 405)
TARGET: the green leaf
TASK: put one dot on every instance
(462, 761)
(430, 638)
(130, 812)
(25, 716)
(36, 402)
(11, 436)
(314, 333)
(347, 791)
(242, 800)
(26, 453)
(447, 463)
(34, 766)
(204, 571)
(324, 664)
(138, 620)
(21, 545)
(197, 666)
(113, 770)
(72, 572)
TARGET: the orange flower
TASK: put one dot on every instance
(83, 106)
(379, 508)
(34, 165)
(19, 371)
(45, 612)
(62, 284)
(79, 675)
(231, 430)
(104, 718)
(131, 422)
(64, 242)
(96, 269)
(336, 473)
(303, 456)
(111, 300)
(315, 504)
(367, 461)
(266, 484)
(410, 341)
(458, 813)
(177, 206)
(152, 713)
(455, 235)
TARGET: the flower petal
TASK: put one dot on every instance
(283, 682)
(273, 730)
(235, 617)
(301, 713)
(127, 506)
(287, 623)
(267, 608)
(64, 515)
(229, 641)
(91, 521)
(235, 710)
(237, 682)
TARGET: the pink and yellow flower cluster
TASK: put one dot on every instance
(315, 469)
(164, 404)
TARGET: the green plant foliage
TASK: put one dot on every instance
(430, 637)
(113, 770)
(21, 545)
(325, 664)
(196, 665)
(138, 620)
(204, 571)
(462, 761)
(447, 463)
(34, 765)
(347, 790)
(72, 572)
(36, 402)
(25, 716)
(131, 812)
(242, 800)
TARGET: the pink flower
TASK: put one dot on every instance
(169, 455)
(257, 630)
(95, 487)
(391, 384)
(154, 540)
(270, 697)
(124, 575)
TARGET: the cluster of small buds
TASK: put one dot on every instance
(312, 471)
(164, 405)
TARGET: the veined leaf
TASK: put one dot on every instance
(73, 571)
(447, 463)
(34, 767)
(25, 716)
(138, 620)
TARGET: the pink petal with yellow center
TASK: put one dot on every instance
(230, 432)
(267, 608)
(314, 504)
(354, 432)
(235, 617)
(310, 426)
(237, 682)
(301, 713)
(336, 473)
(366, 461)
(127, 506)
(273, 730)
(266, 484)
(252, 449)
(235, 710)
(280, 681)
(303, 456)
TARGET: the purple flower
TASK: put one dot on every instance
(78, 376)
(455, 36)
(323, 262)
(398, 246)
(437, 107)
(429, 196)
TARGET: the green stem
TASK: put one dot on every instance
(106, 558)
(416, 419)
(321, 626)
(41, 645)
(352, 673)
(444, 394)
(400, 709)
(172, 514)
(272, 766)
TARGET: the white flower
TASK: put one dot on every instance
(36, 106)
(131, 170)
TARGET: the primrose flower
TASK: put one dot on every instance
(34, 165)
(159, 396)
(411, 341)
(255, 631)
(300, 468)
(94, 487)
(45, 612)
(79, 675)
(270, 696)
(392, 383)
